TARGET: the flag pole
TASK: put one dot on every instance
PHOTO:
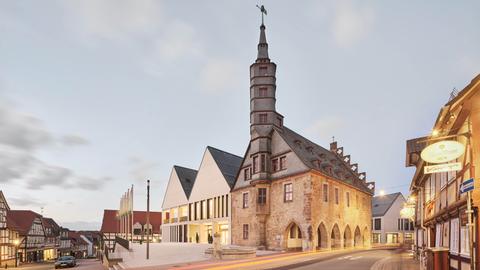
(148, 219)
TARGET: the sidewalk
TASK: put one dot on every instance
(401, 261)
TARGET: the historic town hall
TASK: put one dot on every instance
(291, 193)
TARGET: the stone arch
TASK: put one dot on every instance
(335, 237)
(347, 237)
(358, 240)
(293, 236)
(322, 236)
(366, 237)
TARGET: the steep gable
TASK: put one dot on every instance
(215, 174)
(381, 204)
(176, 193)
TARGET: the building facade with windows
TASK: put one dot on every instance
(197, 203)
(9, 238)
(31, 233)
(440, 214)
(388, 227)
(52, 239)
(291, 193)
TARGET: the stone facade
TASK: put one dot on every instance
(291, 193)
(269, 224)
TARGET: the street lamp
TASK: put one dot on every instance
(16, 242)
(382, 193)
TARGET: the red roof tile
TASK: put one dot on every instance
(110, 221)
(22, 219)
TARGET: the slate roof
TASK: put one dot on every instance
(187, 178)
(228, 163)
(309, 152)
(381, 204)
(21, 220)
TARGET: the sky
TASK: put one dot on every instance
(96, 96)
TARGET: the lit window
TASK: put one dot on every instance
(245, 200)
(288, 192)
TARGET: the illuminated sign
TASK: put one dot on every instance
(447, 167)
(443, 151)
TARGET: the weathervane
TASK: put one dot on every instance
(263, 11)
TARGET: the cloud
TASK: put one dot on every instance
(218, 75)
(113, 19)
(351, 23)
(73, 140)
(325, 128)
(178, 40)
(21, 136)
(20, 130)
(25, 201)
(141, 169)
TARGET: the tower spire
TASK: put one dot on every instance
(262, 55)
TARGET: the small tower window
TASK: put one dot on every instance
(263, 118)
(262, 92)
(263, 71)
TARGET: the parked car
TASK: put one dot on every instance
(65, 261)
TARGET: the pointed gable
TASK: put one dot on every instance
(179, 187)
(228, 164)
(216, 174)
(187, 178)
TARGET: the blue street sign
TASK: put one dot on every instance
(467, 185)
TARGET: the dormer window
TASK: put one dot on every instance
(310, 149)
(298, 143)
(280, 121)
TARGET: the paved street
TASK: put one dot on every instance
(337, 260)
(81, 264)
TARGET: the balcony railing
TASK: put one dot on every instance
(183, 219)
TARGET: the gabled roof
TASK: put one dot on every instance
(155, 219)
(110, 221)
(381, 204)
(50, 223)
(22, 219)
(187, 178)
(308, 151)
(2, 198)
(228, 163)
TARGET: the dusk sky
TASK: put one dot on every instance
(98, 95)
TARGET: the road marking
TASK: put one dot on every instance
(355, 258)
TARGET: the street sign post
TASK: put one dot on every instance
(466, 186)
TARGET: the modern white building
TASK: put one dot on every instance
(388, 227)
(197, 203)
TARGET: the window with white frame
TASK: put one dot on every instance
(454, 232)
(464, 241)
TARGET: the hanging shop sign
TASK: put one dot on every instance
(443, 151)
(447, 167)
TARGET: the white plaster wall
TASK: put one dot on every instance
(210, 181)
(390, 219)
(174, 195)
